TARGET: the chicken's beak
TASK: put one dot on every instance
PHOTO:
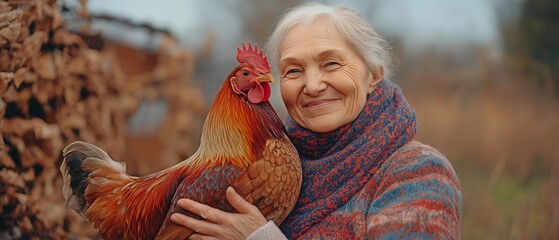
(264, 78)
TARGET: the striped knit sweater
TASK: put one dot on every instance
(416, 194)
(369, 180)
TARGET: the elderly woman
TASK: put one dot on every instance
(363, 174)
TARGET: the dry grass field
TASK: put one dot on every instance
(499, 126)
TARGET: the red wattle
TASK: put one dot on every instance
(267, 91)
(257, 93)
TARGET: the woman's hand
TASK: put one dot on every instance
(219, 224)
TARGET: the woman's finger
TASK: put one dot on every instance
(201, 237)
(202, 210)
(198, 226)
(238, 202)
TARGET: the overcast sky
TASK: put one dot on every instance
(419, 24)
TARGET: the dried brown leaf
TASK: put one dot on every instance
(128, 103)
(94, 61)
(38, 127)
(78, 66)
(31, 47)
(20, 76)
(97, 85)
(43, 90)
(17, 126)
(29, 175)
(44, 66)
(16, 142)
(7, 17)
(9, 191)
(10, 34)
(52, 213)
(5, 60)
(61, 60)
(12, 178)
(25, 224)
(48, 178)
(43, 130)
(44, 12)
(33, 155)
(36, 193)
(63, 37)
(5, 159)
(72, 121)
(57, 19)
(22, 198)
(2, 110)
(72, 94)
(5, 79)
(5, 7)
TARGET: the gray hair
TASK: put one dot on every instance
(374, 49)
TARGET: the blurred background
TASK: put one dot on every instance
(137, 78)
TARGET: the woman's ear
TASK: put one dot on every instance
(378, 76)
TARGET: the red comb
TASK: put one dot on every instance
(253, 56)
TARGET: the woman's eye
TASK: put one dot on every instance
(331, 64)
(292, 71)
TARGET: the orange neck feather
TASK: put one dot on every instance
(235, 131)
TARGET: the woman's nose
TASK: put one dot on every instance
(314, 84)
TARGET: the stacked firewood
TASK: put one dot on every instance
(56, 89)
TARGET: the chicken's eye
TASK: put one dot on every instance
(245, 73)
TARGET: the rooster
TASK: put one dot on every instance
(243, 144)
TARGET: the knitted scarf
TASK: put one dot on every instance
(338, 164)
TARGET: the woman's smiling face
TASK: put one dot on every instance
(324, 81)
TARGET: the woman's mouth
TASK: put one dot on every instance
(318, 103)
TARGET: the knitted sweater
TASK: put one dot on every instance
(416, 194)
(367, 179)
